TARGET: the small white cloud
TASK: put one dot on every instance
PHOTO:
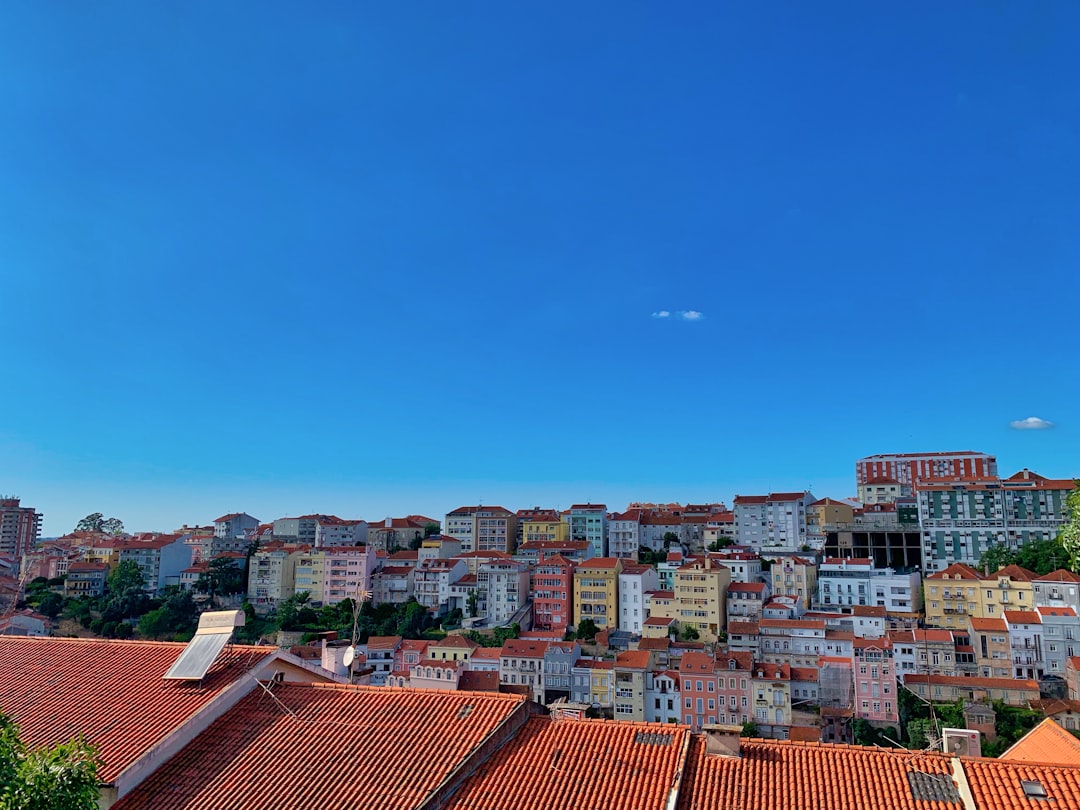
(662, 314)
(691, 315)
(1031, 423)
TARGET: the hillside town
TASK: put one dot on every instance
(793, 616)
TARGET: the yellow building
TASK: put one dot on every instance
(827, 512)
(795, 576)
(308, 575)
(959, 593)
(596, 591)
(106, 551)
(544, 529)
(698, 598)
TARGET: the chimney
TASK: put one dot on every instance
(722, 740)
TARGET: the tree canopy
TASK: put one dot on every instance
(97, 522)
(60, 778)
(1070, 532)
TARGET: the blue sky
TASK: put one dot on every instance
(377, 260)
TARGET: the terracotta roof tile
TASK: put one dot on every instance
(1047, 742)
(378, 747)
(997, 784)
(579, 764)
(112, 692)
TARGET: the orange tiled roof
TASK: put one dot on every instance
(633, 659)
(1047, 742)
(803, 775)
(996, 784)
(384, 747)
(111, 692)
(558, 764)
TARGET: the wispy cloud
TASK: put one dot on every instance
(1031, 423)
(691, 315)
(662, 314)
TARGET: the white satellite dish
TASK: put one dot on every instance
(349, 657)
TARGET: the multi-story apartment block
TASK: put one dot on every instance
(160, 558)
(397, 533)
(853, 582)
(798, 642)
(922, 652)
(552, 594)
(719, 526)
(770, 692)
(392, 584)
(483, 528)
(881, 490)
(20, 527)
(347, 572)
(951, 688)
(298, 530)
(795, 576)
(960, 591)
(1060, 637)
(432, 580)
(271, 575)
(662, 703)
(539, 549)
(506, 588)
(596, 591)
(745, 566)
(85, 579)
(231, 533)
(960, 521)
(774, 522)
(745, 601)
(559, 658)
(338, 532)
(634, 582)
(911, 471)
(521, 663)
(1059, 588)
(715, 690)
(657, 528)
(308, 574)
(990, 641)
(438, 546)
(824, 513)
(630, 669)
(875, 681)
(589, 522)
(699, 598)
(624, 531)
(593, 682)
(1025, 643)
(541, 526)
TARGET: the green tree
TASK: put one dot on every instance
(669, 538)
(750, 729)
(587, 630)
(720, 543)
(178, 614)
(222, 577)
(50, 604)
(97, 522)
(1070, 532)
(431, 529)
(126, 593)
(60, 778)
(472, 603)
(920, 733)
(690, 633)
(1040, 556)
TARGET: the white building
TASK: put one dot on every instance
(634, 582)
(960, 521)
(774, 522)
(1060, 637)
(432, 579)
(843, 582)
(336, 532)
(624, 534)
(506, 588)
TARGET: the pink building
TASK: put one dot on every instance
(346, 572)
(875, 680)
(715, 690)
(553, 593)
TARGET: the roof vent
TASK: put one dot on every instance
(215, 631)
(651, 738)
(1033, 789)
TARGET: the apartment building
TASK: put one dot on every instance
(483, 528)
(959, 591)
(745, 601)
(959, 521)
(624, 530)
(1059, 588)
(20, 527)
(634, 582)
(913, 470)
(990, 641)
(521, 663)
(596, 591)
(593, 683)
(552, 594)
(308, 574)
(875, 681)
(506, 588)
(775, 523)
(846, 582)
(629, 675)
(541, 526)
(397, 533)
(432, 580)
(662, 702)
(589, 522)
(1060, 637)
(161, 558)
(392, 584)
(338, 532)
(347, 572)
(795, 576)
(231, 534)
(272, 575)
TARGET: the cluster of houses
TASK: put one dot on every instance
(786, 610)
